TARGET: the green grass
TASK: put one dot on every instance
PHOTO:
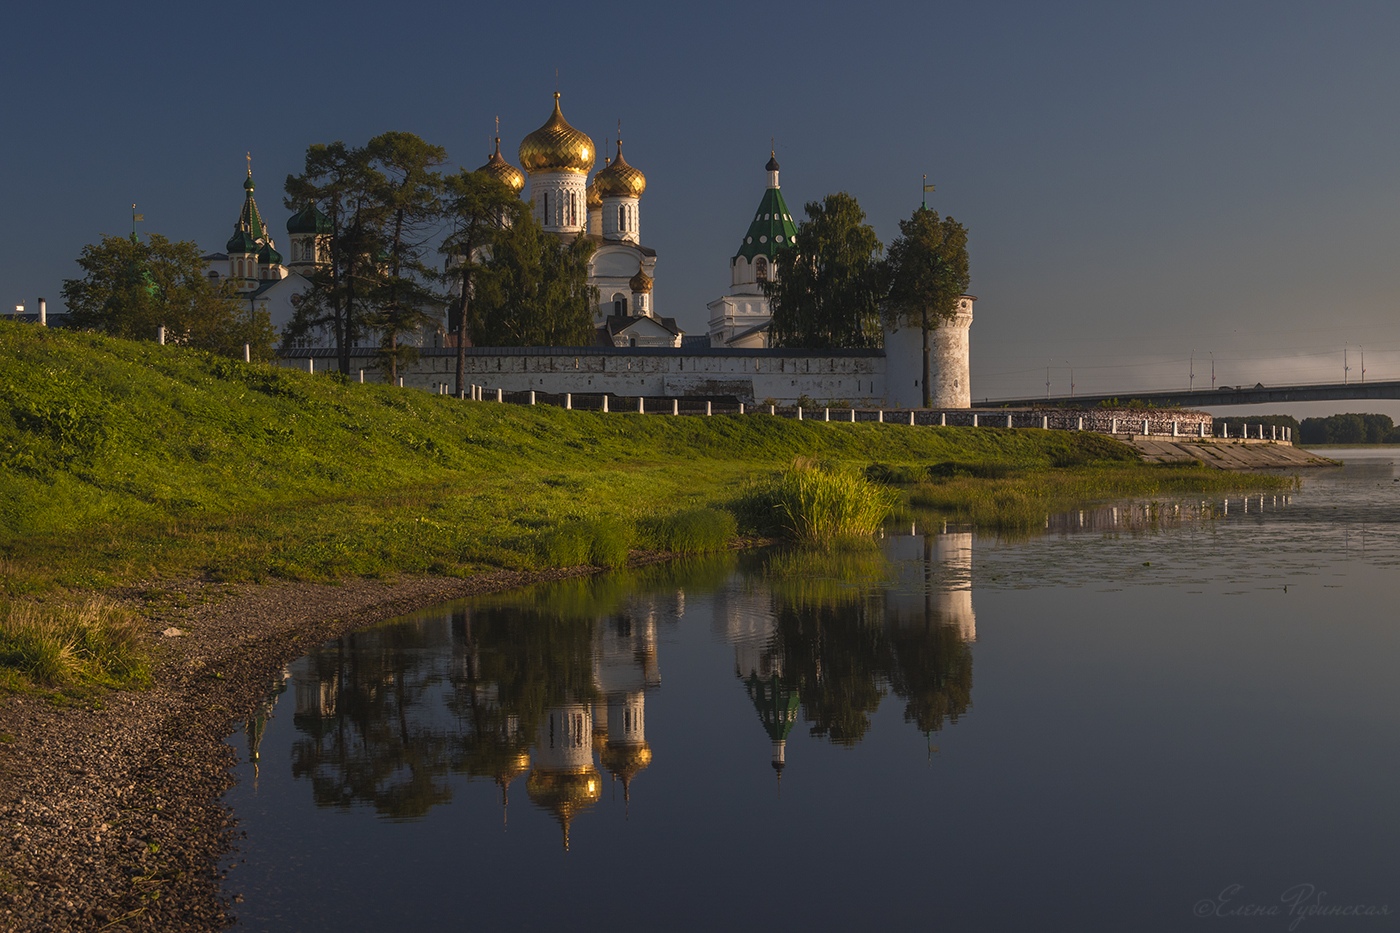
(129, 464)
(94, 643)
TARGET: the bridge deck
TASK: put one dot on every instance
(1221, 395)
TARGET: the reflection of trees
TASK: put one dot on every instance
(387, 714)
(844, 642)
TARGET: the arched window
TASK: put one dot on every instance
(760, 269)
(545, 216)
(621, 217)
(619, 301)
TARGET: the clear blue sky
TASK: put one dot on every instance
(1139, 180)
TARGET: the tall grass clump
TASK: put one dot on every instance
(599, 542)
(694, 531)
(93, 644)
(812, 503)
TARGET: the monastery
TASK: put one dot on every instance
(638, 350)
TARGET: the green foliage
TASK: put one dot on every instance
(828, 287)
(927, 271)
(816, 504)
(1338, 429)
(533, 291)
(596, 542)
(694, 531)
(132, 289)
(62, 645)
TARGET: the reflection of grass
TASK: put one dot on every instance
(825, 576)
(92, 644)
(814, 503)
(1022, 503)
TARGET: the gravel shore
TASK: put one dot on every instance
(110, 812)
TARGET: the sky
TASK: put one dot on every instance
(1148, 188)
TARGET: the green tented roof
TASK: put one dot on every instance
(772, 228)
(269, 256)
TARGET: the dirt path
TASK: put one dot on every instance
(109, 811)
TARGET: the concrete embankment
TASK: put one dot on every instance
(1233, 454)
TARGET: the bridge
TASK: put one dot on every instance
(1257, 394)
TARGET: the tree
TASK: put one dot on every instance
(533, 291)
(131, 289)
(827, 291)
(478, 207)
(927, 273)
(406, 205)
(338, 181)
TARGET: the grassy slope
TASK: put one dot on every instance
(124, 463)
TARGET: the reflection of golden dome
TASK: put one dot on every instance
(625, 761)
(640, 283)
(620, 180)
(497, 167)
(514, 767)
(565, 793)
(591, 197)
(557, 147)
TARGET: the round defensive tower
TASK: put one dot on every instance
(949, 348)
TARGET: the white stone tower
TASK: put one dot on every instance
(948, 362)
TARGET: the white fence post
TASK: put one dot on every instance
(826, 414)
(362, 376)
(605, 401)
(641, 405)
(1145, 430)
(1008, 419)
(880, 416)
(1113, 426)
(707, 409)
(532, 396)
(247, 353)
(1081, 423)
(568, 400)
(799, 412)
(974, 419)
(500, 395)
(675, 406)
(853, 416)
(772, 409)
(741, 408)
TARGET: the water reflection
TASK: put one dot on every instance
(551, 683)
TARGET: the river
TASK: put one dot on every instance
(1180, 715)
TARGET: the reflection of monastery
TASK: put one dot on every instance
(638, 351)
(504, 692)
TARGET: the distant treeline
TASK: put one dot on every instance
(1334, 429)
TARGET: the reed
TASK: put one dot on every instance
(813, 503)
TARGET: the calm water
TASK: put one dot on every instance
(1144, 719)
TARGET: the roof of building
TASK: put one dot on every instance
(772, 228)
(309, 220)
(620, 323)
(557, 147)
(619, 179)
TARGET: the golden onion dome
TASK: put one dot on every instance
(497, 167)
(620, 180)
(557, 147)
(640, 283)
(593, 200)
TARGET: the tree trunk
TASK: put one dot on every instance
(462, 343)
(928, 391)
